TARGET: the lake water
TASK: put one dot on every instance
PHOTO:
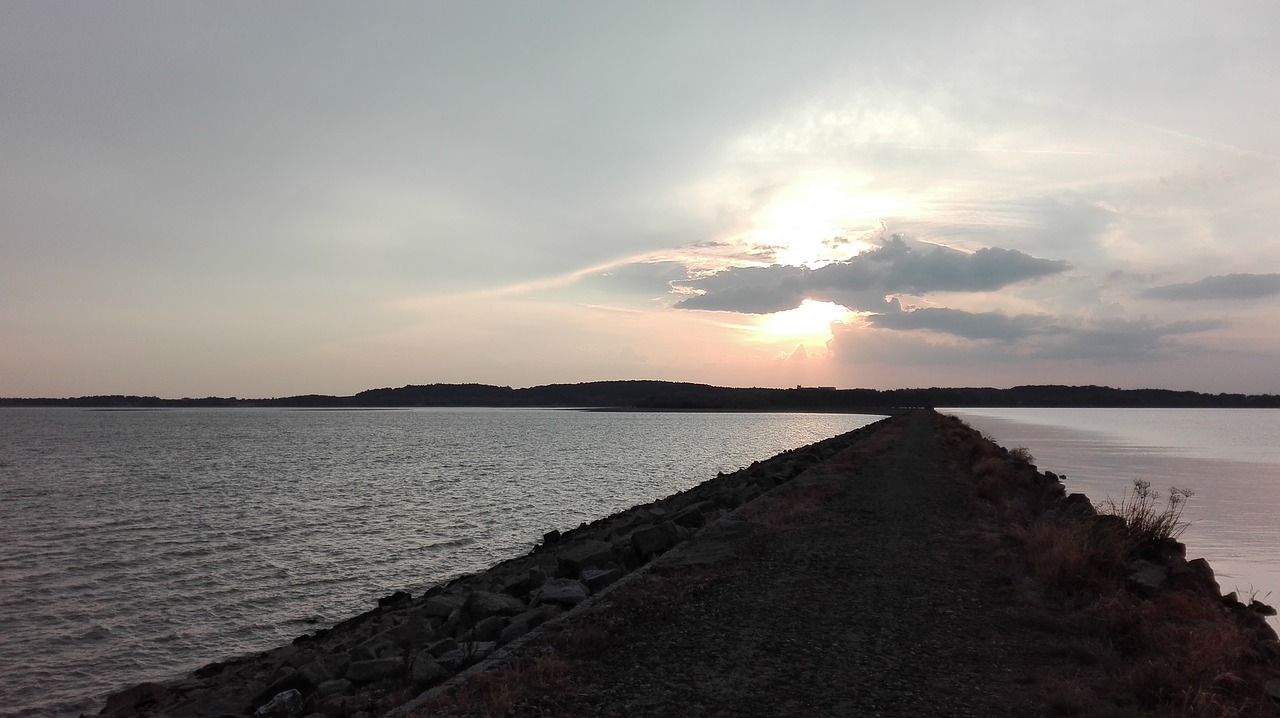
(139, 545)
(1230, 458)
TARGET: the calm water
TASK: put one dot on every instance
(138, 545)
(1229, 457)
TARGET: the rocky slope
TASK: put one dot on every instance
(889, 571)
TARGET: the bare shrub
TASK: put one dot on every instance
(1022, 454)
(1147, 523)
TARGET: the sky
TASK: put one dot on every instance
(271, 199)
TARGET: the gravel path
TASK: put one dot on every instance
(860, 589)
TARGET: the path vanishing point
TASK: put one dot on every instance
(909, 568)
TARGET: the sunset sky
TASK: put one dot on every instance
(268, 199)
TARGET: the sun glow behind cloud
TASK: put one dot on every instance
(811, 320)
(810, 223)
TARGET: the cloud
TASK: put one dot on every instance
(750, 290)
(968, 325)
(861, 282)
(1225, 287)
(994, 337)
(1123, 341)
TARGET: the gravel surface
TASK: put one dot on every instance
(860, 589)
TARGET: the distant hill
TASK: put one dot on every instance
(664, 395)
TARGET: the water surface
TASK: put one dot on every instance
(139, 545)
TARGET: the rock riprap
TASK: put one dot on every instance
(375, 661)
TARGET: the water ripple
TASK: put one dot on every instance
(141, 545)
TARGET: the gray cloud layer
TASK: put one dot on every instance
(862, 281)
(996, 337)
(1227, 286)
(969, 325)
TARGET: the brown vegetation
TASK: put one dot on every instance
(1177, 652)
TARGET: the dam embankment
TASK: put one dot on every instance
(911, 567)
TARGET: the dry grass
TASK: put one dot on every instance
(520, 689)
(791, 507)
(1177, 653)
(1146, 521)
(1066, 696)
(1073, 557)
(1185, 656)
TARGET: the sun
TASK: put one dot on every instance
(810, 319)
(802, 221)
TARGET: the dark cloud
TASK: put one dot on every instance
(1122, 341)
(968, 325)
(1227, 287)
(996, 337)
(892, 268)
(751, 290)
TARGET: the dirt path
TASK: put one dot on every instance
(856, 590)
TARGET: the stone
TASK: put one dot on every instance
(596, 579)
(394, 599)
(654, 540)
(1145, 577)
(338, 705)
(380, 646)
(587, 554)
(1261, 608)
(334, 687)
(488, 629)
(441, 647)
(1195, 576)
(373, 670)
(323, 669)
(517, 584)
(424, 670)
(527, 621)
(693, 516)
(466, 654)
(561, 590)
(133, 700)
(1079, 505)
(284, 705)
(482, 604)
(441, 606)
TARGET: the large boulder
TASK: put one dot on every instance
(1195, 575)
(565, 591)
(483, 604)
(653, 540)
(527, 621)
(373, 670)
(284, 705)
(136, 699)
(424, 670)
(441, 606)
(597, 579)
(587, 554)
(1145, 577)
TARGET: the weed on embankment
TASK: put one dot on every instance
(1168, 643)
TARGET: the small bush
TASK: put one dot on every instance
(1022, 454)
(1146, 522)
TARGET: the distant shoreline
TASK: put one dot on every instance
(680, 396)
